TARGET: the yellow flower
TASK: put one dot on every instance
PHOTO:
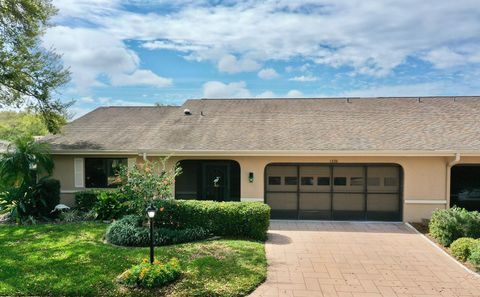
(142, 273)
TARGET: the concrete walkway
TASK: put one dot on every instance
(359, 259)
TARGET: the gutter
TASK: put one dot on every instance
(448, 177)
(272, 153)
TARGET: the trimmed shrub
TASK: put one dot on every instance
(447, 225)
(474, 257)
(461, 248)
(146, 275)
(109, 205)
(85, 200)
(234, 219)
(131, 231)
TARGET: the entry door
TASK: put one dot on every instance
(216, 181)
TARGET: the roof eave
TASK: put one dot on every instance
(282, 153)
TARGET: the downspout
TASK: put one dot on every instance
(447, 188)
(144, 156)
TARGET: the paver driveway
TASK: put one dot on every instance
(359, 259)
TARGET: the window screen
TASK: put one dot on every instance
(103, 172)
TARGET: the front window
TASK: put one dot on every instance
(102, 172)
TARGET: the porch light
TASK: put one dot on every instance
(151, 210)
(250, 177)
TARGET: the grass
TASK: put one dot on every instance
(72, 260)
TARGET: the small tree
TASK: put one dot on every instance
(146, 182)
(20, 193)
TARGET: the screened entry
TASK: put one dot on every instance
(217, 180)
(465, 186)
(334, 192)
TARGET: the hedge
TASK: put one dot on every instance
(462, 247)
(447, 225)
(232, 219)
(131, 231)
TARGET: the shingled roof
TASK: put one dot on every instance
(282, 125)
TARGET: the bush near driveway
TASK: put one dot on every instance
(447, 225)
(462, 247)
(474, 257)
(233, 219)
(132, 231)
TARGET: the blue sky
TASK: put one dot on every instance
(146, 52)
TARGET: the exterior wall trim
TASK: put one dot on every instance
(425, 201)
(251, 199)
(297, 153)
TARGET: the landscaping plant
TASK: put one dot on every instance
(147, 182)
(132, 231)
(23, 195)
(474, 257)
(146, 275)
(447, 225)
(462, 247)
(233, 219)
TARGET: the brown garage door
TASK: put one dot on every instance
(334, 192)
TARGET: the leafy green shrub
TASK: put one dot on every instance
(461, 248)
(474, 257)
(234, 219)
(447, 225)
(46, 195)
(131, 231)
(146, 182)
(146, 275)
(85, 200)
(109, 205)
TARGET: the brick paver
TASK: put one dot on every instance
(308, 258)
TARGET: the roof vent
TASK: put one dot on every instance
(187, 111)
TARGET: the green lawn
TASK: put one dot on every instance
(72, 259)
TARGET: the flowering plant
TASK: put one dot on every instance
(146, 275)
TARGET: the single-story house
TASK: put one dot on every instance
(315, 158)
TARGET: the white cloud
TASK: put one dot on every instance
(445, 58)
(267, 94)
(304, 78)
(217, 89)
(140, 77)
(294, 94)
(230, 64)
(421, 89)
(267, 73)
(371, 36)
(86, 99)
(91, 53)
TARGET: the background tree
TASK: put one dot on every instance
(20, 124)
(29, 73)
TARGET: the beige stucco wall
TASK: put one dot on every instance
(425, 178)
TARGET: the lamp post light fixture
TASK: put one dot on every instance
(151, 211)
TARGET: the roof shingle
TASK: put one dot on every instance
(312, 124)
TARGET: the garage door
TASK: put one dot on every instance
(334, 192)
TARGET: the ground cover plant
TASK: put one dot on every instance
(73, 260)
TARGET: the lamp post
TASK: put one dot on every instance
(151, 210)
